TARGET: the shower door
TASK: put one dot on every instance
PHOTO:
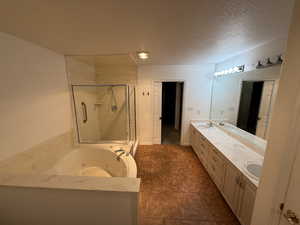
(101, 113)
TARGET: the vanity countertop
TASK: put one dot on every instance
(236, 152)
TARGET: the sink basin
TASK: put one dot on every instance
(254, 170)
(203, 125)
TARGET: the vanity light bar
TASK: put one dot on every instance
(236, 69)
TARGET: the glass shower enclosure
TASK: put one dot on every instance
(105, 113)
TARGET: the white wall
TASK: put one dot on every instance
(250, 58)
(34, 96)
(196, 96)
(283, 143)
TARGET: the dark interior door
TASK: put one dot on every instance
(249, 105)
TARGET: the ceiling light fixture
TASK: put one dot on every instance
(236, 69)
(143, 55)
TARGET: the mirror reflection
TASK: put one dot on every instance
(244, 101)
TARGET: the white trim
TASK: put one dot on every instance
(183, 103)
(154, 141)
(287, 162)
(273, 97)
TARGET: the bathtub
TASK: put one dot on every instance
(88, 185)
(97, 160)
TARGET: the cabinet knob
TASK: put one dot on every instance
(291, 217)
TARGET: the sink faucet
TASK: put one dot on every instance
(122, 152)
(221, 123)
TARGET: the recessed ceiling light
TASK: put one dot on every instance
(143, 55)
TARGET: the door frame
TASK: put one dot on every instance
(287, 162)
(273, 96)
(183, 113)
(284, 139)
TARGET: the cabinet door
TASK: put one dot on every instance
(247, 202)
(195, 144)
(217, 169)
(203, 151)
(231, 187)
(193, 137)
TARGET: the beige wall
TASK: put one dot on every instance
(281, 146)
(116, 74)
(196, 95)
(80, 72)
(34, 95)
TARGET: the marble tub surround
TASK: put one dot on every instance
(118, 184)
(39, 158)
(51, 174)
(231, 148)
(69, 200)
(51, 165)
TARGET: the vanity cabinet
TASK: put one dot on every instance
(217, 168)
(213, 163)
(237, 190)
(199, 147)
(231, 190)
(193, 138)
(247, 200)
(239, 194)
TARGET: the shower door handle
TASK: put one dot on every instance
(84, 112)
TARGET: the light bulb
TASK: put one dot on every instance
(143, 55)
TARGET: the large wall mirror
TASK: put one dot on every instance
(244, 101)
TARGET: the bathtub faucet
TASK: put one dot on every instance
(122, 152)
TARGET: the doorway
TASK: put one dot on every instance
(255, 107)
(172, 95)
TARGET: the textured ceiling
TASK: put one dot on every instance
(173, 31)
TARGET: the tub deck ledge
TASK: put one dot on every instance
(119, 184)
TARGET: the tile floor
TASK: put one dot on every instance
(170, 135)
(176, 189)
